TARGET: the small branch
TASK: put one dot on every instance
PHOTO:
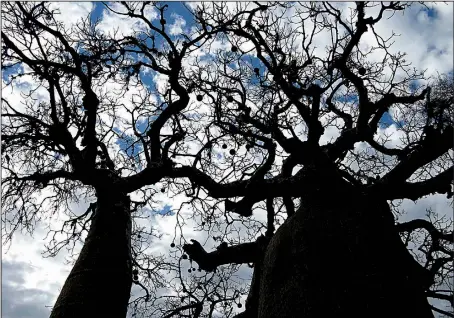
(383, 105)
(147, 296)
(383, 149)
(433, 294)
(448, 314)
(177, 310)
(428, 226)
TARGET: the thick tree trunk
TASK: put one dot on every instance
(339, 256)
(99, 284)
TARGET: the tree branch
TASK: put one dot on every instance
(237, 254)
(438, 184)
(447, 314)
(270, 218)
(430, 149)
(433, 294)
(428, 226)
(46, 177)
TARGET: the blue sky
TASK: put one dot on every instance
(431, 12)
(15, 69)
(166, 210)
(178, 8)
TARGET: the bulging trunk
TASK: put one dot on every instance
(99, 284)
(339, 256)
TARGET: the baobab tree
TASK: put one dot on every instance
(240, 131)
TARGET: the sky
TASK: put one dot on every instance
(31, 283)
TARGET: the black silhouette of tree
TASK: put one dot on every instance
(240, 133)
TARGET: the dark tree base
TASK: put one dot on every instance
(340, 256)
(99, 284)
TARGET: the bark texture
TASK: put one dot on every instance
(100, 282)
(339, 255)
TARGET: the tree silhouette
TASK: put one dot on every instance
(238, 132)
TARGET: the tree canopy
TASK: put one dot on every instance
(219, 116)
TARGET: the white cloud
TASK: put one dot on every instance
(71, 12)
(111, 22)
(177, 27)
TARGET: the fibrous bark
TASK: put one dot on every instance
(100, 282)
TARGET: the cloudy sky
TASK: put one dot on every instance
(31, 283)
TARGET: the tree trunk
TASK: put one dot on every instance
(340, 256)
(99, 284)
